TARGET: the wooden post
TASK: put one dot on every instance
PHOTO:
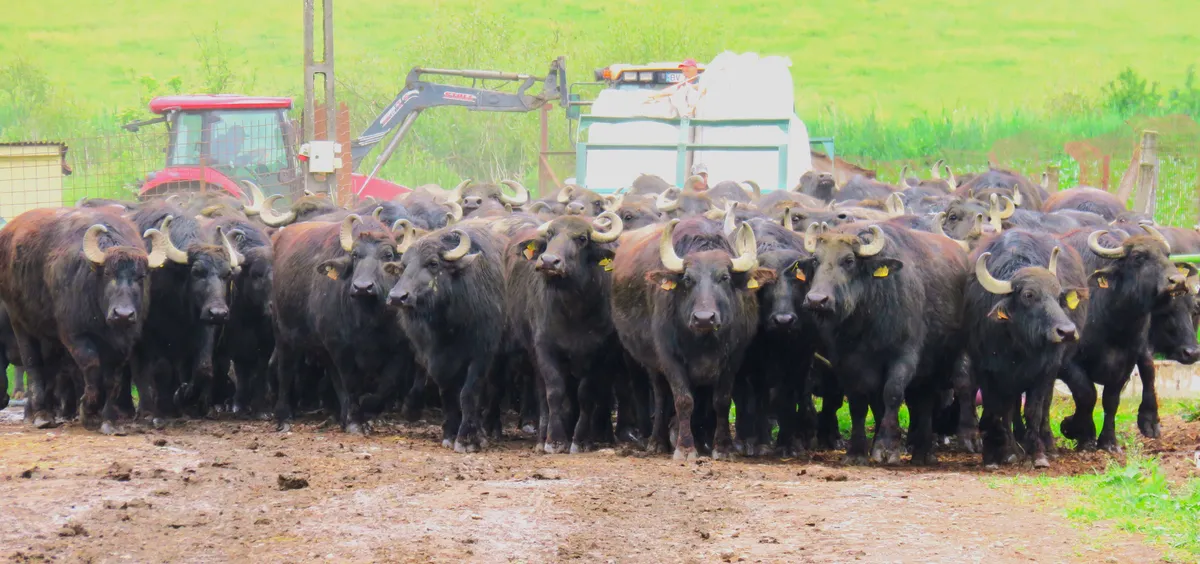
(1052, 179)
(1147, 178)
(345, 185)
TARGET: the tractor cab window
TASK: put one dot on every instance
(247, 140)
(187, 142)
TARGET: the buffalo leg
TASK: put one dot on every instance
(1035, 402)
(32, 360)
(1079, 426)
(685, 406)
(586, 399)
(1112, 402)
(414, 402)
(543, 428)
(856, 452)
(87, 358)
(1148, 411)
(722, 446)
(745, 425)
(287, 367)
(829, 433)
(793, 415)
(920, 426)
(452, 414)
(629, 405)
(995, 439)
(660, 440)
(887, 446)
(470, 403)
(965, 388)
(554, 375)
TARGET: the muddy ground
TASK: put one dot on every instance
(215, 491)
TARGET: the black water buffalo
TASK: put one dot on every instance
(685, 310)
(648, 184)
(559, 279)
(577, 200)
(1023, 192)
(1125, 283)
(327, 297)
(475, 197)
(189, 300)
(889, 303)
(1085, 199)
(1025, 307)
(450, 295)
(76, 279)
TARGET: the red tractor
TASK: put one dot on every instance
(220, 140)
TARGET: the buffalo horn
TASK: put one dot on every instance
(158, 248)
(91, 243)
(235, 258)
(1096, 247)
(346, 236)
(730, 223)
(878, 240)
(614, 229)
(564, 195)
(521, 197)
(664, 204)
(894, 205)
(1016, 197)
(464, 245)
(903, 177)
(1053, 267)
(272, 219)
(455, 195)
(1156, 234)
(989, 282)
(939, 220)
(950, 178)
(666, 249)
(456, 211)
(377, 213)
(754, 190)
(747, 249)
(787, 220)
(935, 171)
(408, 234)
(255, 195)
(173, 252)
(810, 238)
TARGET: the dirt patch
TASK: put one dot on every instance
(210, 491)
(1178, 449)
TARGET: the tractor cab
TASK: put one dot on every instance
(217, 141)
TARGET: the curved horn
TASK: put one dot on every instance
(747, 249)
(810, 238)
(464, 245)
(787, 219)
(757, 191)
(456, 211)
(255, 195)
(730, 222)
(521, 197)
(894, 205)
(666, 249)
(373, 200)
(544, 229)
(950, 178)
(663, 204)
(903, 176)
(172, 199)
(270, 218)
(1053, 268)
(91, 243)
(564, 195)
(878, 240)
(614, 202)
(1046, 181)
(79, 202)
(616, 226)
(1096, 247)
(173, 252)
(309, 193)
(1016, 197)
(346, 235)
(989, 282)
(539, 206)
(235, 258)
(455, 195)
(408, 234)
(935, 171)
(377, 213)
(976, 228)
(1156, 234)
(158, 248)
(939, 220)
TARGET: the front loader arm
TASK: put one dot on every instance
(418, 95)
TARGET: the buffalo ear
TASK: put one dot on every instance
(1186, 269)
(462, 263)
(603, 252)
(393, 268)
(758, 278)
(664, 279)
(531, 248)
(893, 265)
(1101, 277)
(334, 268)
(999, 311)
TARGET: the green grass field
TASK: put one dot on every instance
(895, 81)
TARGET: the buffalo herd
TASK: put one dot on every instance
(639, 317)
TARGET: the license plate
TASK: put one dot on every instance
(672, 77)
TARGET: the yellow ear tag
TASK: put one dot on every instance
(1000, 313)
(1102, 282)
(331, 272)
(1183, 270)
(881, 272)
(607, 264)
(752, 284)
(530, 249)
(800, 275)
(1072, 299)
(668, 285)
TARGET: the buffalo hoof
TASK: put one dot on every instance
(447, 443)
(281, 427)
(926, 459)
(884, 455)
(688, 455)
(107, 428)
(1110, 446)
(356, 429)
(1041, 462)
(855, 459)
(718, 454)
(991, 467)
(630, 435)
(19, 394)
(830, 442)
(529, 429)
(553, 447)
(789, 451)
(576, 448)
(656, 446)
(969, 442)
(1148, 425)
(43, 420)
(743, 448)
(539, 448)
(159, 424)
(1086, 446)
(464, 448)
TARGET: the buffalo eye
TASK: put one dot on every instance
(842, 216)
(388, 254)
(581, 238)
(953, 217)
(1028, 295)
(628, 216)
(431, 264)
(848, 261)
(723, 277)
(356, 255)
(598, 204)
